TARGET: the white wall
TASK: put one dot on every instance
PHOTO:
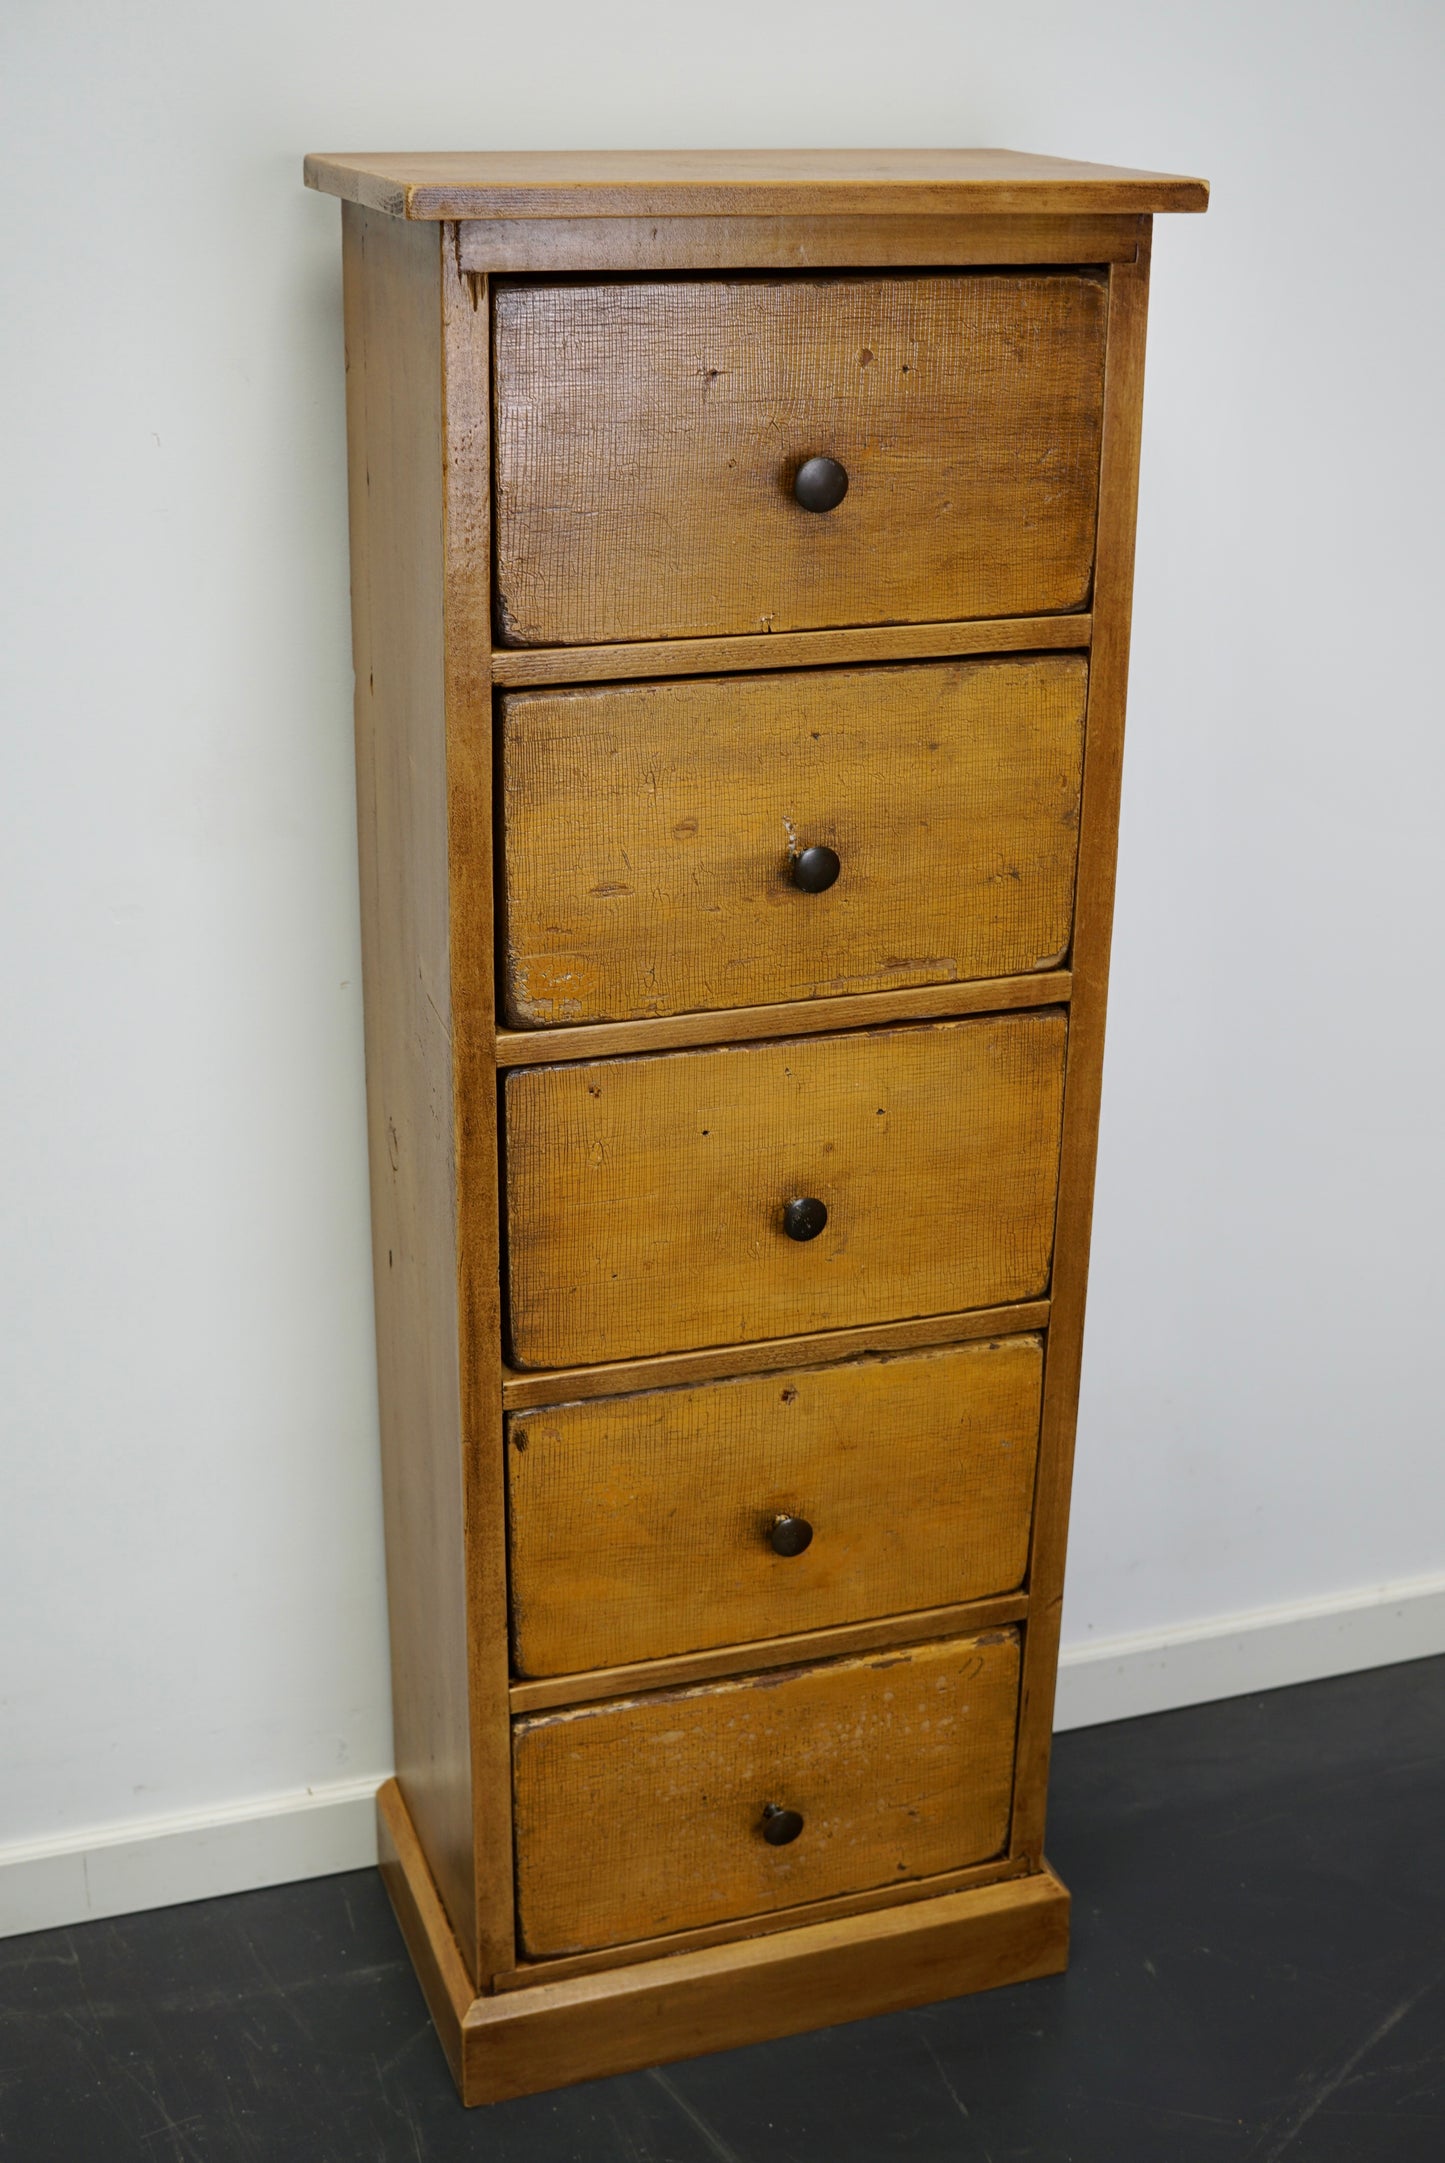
(189, 1539)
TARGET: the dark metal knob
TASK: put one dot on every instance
(820, 484)
(780, 1826)
(790, 1535)
(815, 869)
(804, 1218)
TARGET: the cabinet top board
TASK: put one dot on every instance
(740, 183)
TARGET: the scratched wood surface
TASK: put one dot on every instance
(659, 657)
(790, 1017)
(689, 1994)
(651, 830)
(640, 1525)
(802, 1648)
(645, 1196)
(815, 1348)
(643, 1816)
(647, 435)
(747, 183)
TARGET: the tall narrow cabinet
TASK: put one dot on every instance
(742, 547)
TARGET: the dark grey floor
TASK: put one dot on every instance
(1259, 1973)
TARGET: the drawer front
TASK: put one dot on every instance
(653, 830)
(657, 1524)
(647, 1815)
(646, 1197)
(648, 437)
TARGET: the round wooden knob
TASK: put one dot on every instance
(780, 1826)
(805, 1217)
(790, 1535)
(815, 869)
(820, 484)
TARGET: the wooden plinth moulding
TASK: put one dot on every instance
(688, 2005)
(742, 552)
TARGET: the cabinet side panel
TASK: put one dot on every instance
(394, 418)
(1093, 929)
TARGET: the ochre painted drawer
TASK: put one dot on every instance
(651, 830)
(648, 435)
(646, 1815)
(643, 1526)
(646, 1196)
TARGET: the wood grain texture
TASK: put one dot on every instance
(1128, 307)
(440, 1967)
(647, 435)
(623, 1378)
(645, 1196)
(731, 183)
(522, 665)
(958, 1619)
(530, 1974)
(901, 1765)
(466, 539)
(651, 830)
(648, 245)
(730, 1995)
(794, 1017)
(395, 430)
(540, 2034)
(639, 1525)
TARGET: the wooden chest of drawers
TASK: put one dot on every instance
(741, 553)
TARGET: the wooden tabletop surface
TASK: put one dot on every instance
(734, 183)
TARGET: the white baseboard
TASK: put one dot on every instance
(275, 1839)
(1266, 1648)
(157, 1862)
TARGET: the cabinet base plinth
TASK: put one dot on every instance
(684, 2005)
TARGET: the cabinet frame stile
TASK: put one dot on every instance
(1089, 969)
(417, 346)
